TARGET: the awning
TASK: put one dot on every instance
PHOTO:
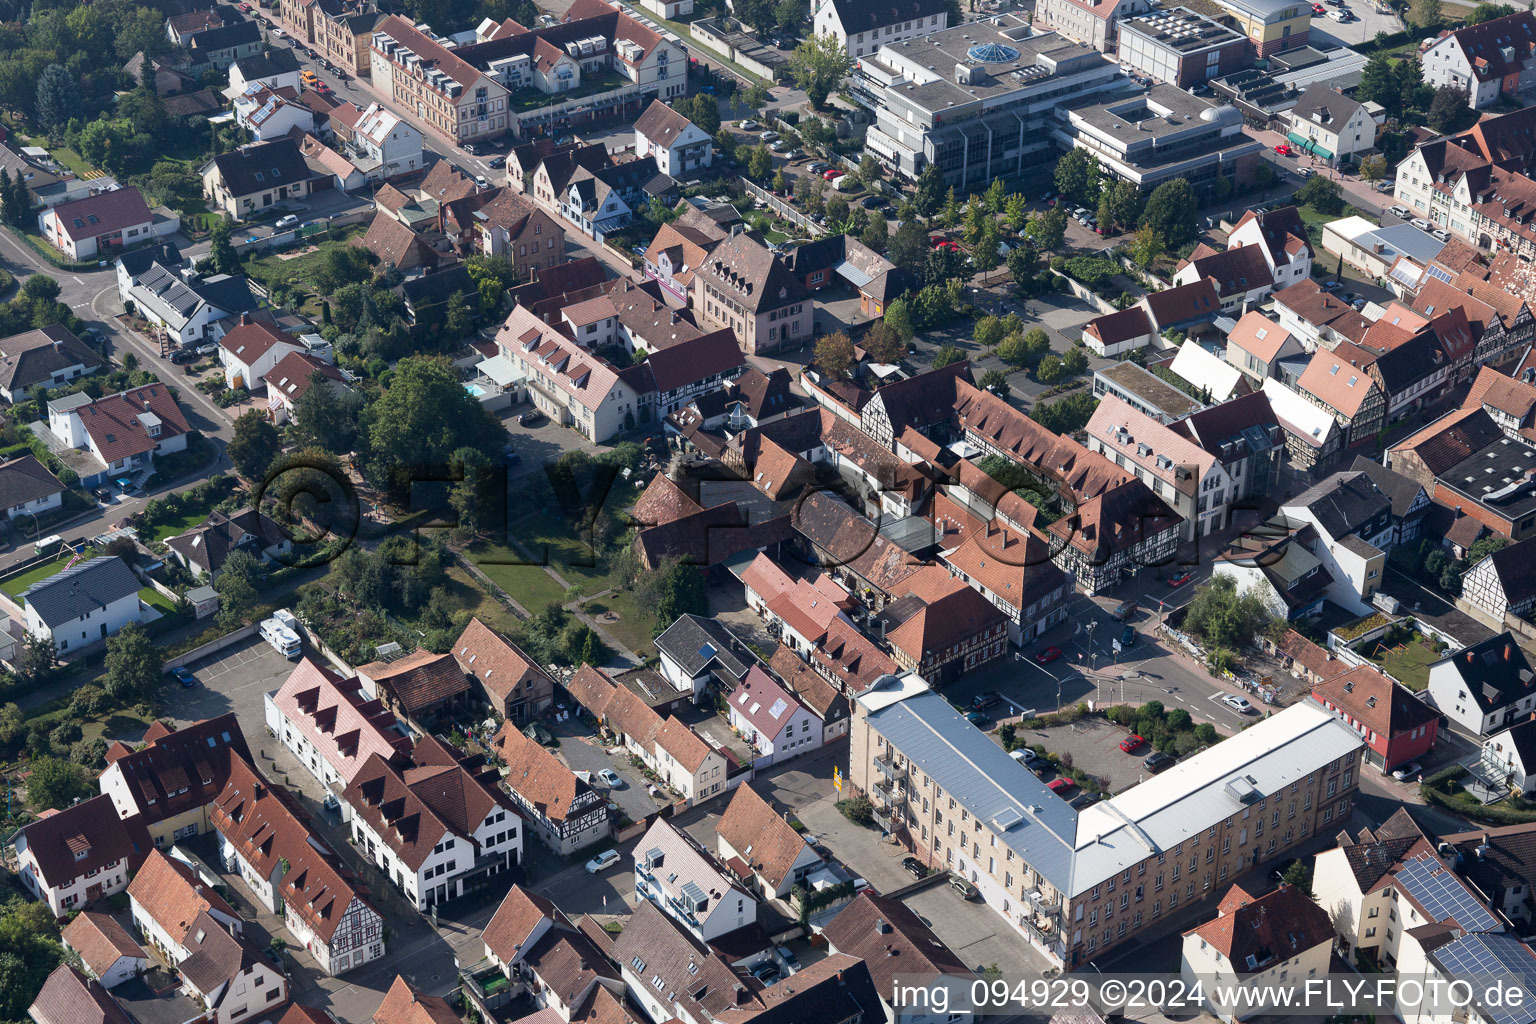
(501, 370)
(1309, 146)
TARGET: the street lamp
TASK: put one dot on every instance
(1093, 657)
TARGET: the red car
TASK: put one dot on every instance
(1284, 149)
(832, 172)
(1131, 743)
(1181, 579)
(1059, 785)
(1048, 655)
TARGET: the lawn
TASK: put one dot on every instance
(272, 269)
(179, 524)
(1408, 662)
(16, 584)
(157, 601)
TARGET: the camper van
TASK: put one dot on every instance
(283, 640)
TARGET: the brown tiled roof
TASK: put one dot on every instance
(1309, 302)
(1283, 231)
(69, 997)
(299, 1014)
(266, 826)
(779, 473)
(1194, 301)
(172, 894)
(1114, 328)
(1509, 396)
(100, 941)
(698, 981)
(889, 936)
(661, 124)
(389, 197)
(404, 1003)
(537, 775)
(1001, 425)
(1509, 862)
(1014, 566)
(520, 912)
(291, 375)
(412, 810)
(814, 692)
(115, 428)
(499, 665)
(1373, 856)
(837, 987)
(1253, 934)
(682, 743)
(945, 621)
(750, 821)
(84, 838)
(926, 398)
(176, 759)
(1235, 271)
(1499, 48)
(1338, 378)
(337, 720)
(1451, 439)
(396, 245)
(1370, 698)
(1115, 521)
(852, 657)
(419, 680)
(102, 213)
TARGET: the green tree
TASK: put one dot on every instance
(996, 197)
(1046, 231)
(818, 65)
(909, 246)
(1075, 361)
(1049, 371)
(870, 171)
(877, 232)
(222, 252)
(706, 113)
(56, 783)
(759, 163)
(949, 214)
(253, 445)
(898, 317)
(1022, 263)
(883, 344)
(928, 193)
(995, 380)
(1119, 204)
(1373, 167)
(134, 664)
(1322, 194)
(1426, 14)
(674, 589)
(237, 588)
(1447, 107)
(1016, 212)
(458, 319)
(325, 416)
(1013, 351)
(473, 496)
(1170, 211)
(1489, 12)
(422, 418)
(1078, 176)
(38, 659)
(985, 256)
(1148, 248)
(945, 355)
(1379, 84)
(57, 97)
(1220, 617)
(815, 132)
(1299, 876)
(989, 332)
(780, 183)
(834, 354)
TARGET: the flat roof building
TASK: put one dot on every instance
(1075, 884)
(1178, 46)
(1143, 391)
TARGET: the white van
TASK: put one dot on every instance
(283, 640)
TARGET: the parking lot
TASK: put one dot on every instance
(977, 933)
(1365, 24)
(582, 752)
(234, 679)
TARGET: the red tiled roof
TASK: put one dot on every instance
(82, 839)
(498, 664)
(116, 428)
(100, 941)
(172, 894)
(419, 680)
(252, 339)
(404, 1003)
(338, 721)
(751, 824)
(102, 213)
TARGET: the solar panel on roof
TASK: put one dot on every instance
(1475, 958)
(1443, 896)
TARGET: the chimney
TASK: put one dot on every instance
(1508, 650)
(245, 319)
(1470, 657)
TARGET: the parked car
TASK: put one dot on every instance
(1048, 655)
(978, 719)
(1157, 762)
(471, 149)
(1125, 609)
(1384, 186)
(1179, 579)
(1284, 149)
(749, 125)
(602, 861)
(611, 778)
(1060, 784)
(787, 955)
(284, 223)
(770, 136)
(983, 701)
(1023, 755)
(966, 890)
(1236, 703)
(1420, 223)
(1338, 16)
(531, 418)
(914, 867)
(207, 350)
(1442, 234)
(496, 163)
(832, 173)
(1128, 636)
(766, 972)
(818, 166)
(1132, 743)
(1407, 771)
(778, 145)
(873, 202)
(184, 676)
(184, 356)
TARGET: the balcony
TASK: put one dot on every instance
(890, 770)
(893, 795)
(886, 819)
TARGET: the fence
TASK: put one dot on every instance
(782, 208)
(279, 239)
(1087, 294)
(212, 646)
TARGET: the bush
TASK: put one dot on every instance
(858, 810)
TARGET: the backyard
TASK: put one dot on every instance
(1407, 661)
(296, 267)
(15, 585)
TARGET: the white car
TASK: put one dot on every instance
(1337, 15)
(1407, 771)
(1236, 703)
(611, 778)
(604, 860)
(1023, 755)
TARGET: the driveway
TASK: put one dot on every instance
(977, 933)
(583, 752)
